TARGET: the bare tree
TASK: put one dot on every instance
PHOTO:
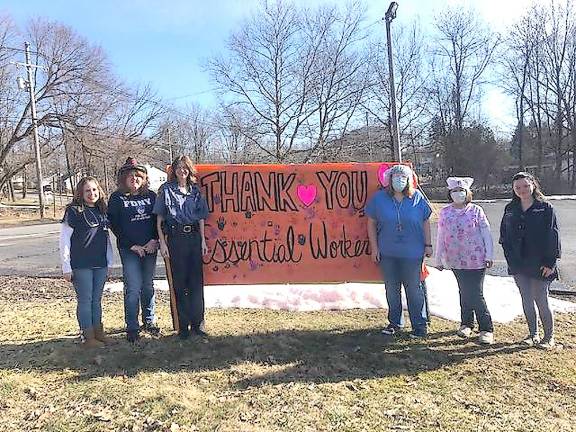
(540, 63)
(464, 49)
(412, 87)
(268, 69)
(519, 53)
(558, 46)
(234, 135)
(79, 102)
(340, 74)
(70, 63)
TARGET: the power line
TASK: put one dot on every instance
(22, 50)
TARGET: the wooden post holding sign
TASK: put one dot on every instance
(289, 223)
(173, 308)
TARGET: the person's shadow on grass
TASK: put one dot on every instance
(284, 356)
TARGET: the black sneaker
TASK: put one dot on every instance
(199, 332)
(132, 335)
(152, 329)
(391, 330)
(418, 335)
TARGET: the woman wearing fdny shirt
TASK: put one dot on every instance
(181, 211)
(86, 254)
(134, 225)
(399, 234)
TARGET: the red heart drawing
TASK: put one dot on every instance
(382, 178)
(306, 193)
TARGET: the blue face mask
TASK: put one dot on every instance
(399, 183)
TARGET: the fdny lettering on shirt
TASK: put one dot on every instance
(141, 214)
(137, 203)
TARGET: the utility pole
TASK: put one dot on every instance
(30, 86)
(170, 146)
(65, 140)
(390, 15)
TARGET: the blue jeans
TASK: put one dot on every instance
(89, 285)
(404, 271)
(138, 274)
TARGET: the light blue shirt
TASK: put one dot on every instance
(400, 225)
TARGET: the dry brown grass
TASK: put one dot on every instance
(272, 371)
(16, 216)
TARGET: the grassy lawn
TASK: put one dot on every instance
(271, 371)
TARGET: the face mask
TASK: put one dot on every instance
(458, 197)
(399, 183)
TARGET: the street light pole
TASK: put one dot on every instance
(397, 153)
(29, 66)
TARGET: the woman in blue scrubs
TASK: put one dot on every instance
(399, 233)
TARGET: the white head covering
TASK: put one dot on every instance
(459, 182)
(404, 170)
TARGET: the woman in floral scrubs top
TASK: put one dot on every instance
(464, 245)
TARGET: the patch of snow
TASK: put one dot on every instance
(501, 295)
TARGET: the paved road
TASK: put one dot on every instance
(33, 250)
(566, 211)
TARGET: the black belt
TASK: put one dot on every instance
(184, 228)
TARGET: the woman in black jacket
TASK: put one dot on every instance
(530, 238)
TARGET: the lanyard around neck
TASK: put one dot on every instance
(398, 209)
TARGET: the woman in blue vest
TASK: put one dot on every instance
(181, 211)
(530, 238)
(86, 255)
(134, 225)
(399, 233)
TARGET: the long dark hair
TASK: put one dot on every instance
(536, 193)
(185, 160)
(78, 199)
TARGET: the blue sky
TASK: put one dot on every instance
(166, 42)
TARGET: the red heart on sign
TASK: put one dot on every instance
(306, 194)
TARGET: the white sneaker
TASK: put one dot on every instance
(486, 338)
(547, 344)
(531, 340)
(464, 331)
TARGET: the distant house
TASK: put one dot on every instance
(70, 183)
(156, 177)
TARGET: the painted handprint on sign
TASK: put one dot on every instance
(221, 223)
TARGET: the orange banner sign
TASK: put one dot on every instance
(288, 223)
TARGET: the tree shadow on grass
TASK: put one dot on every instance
(283, 356)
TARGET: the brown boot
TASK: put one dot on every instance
(89, 340)
(100, 335)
